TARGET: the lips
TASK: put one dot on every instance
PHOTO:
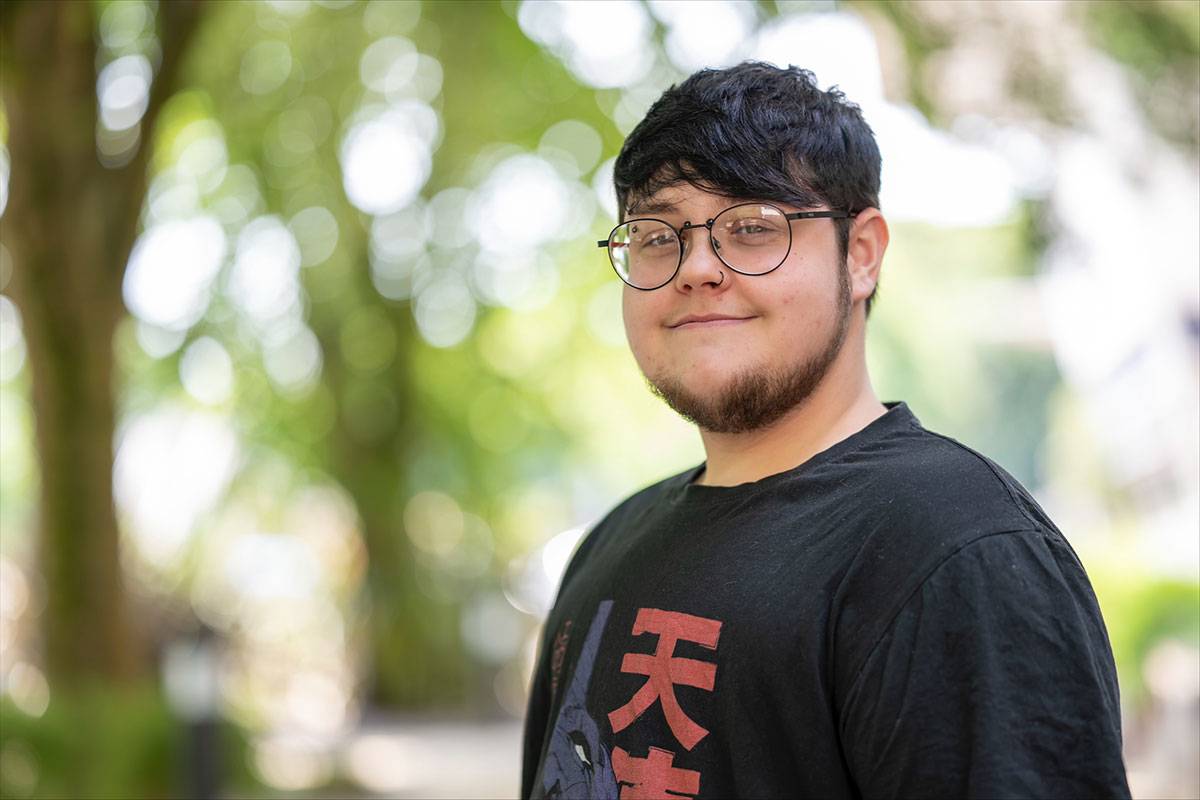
(707, 321)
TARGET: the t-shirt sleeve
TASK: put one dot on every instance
(994, 680)
(536, 714)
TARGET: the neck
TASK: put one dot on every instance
(842, 404)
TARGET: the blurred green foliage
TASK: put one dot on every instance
(1141, 611)
(1160, 40)
(107, 742)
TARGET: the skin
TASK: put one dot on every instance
(771, 391)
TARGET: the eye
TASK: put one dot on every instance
(752, 226)
(582, 749)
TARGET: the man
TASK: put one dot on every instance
(837, 603)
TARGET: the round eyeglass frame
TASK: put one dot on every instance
(687, 225)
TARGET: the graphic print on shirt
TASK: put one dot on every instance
(577, 763)
(655, 774)
(558, 655)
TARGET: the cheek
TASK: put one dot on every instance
(629, 315)
(806, 304)
(636, 315)
(643, 331)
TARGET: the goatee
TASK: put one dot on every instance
(755, 399)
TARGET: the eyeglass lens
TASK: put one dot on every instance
(752, 239)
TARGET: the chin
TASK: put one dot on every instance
(702, 384)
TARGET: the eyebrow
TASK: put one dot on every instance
(651, 207)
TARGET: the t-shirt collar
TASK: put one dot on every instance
(897, 417)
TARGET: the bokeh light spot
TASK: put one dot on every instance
(206, 371)
(573, 146)
(292, 358)
(123, 91)
(171, 270)
(12, 341)
(123, 23)
(264, 280)
(265, 67)
(386, 159)
(387, 17)
(388, 64)
(491, 628)
(445, 311)
(172, 466)
(316, 233)
(522, 204)
(704, 34)
(434, 522)
(606, 43)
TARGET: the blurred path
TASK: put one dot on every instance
(411, 758)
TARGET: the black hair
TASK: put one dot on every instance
(755, 131)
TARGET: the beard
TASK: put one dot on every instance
(755, 399)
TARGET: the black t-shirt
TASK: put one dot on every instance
(895, 617)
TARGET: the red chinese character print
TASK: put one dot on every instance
(652, 777)
(663, 670)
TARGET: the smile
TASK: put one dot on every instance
(712, 323)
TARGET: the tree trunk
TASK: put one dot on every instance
(69, 226)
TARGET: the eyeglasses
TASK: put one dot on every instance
(750, 238)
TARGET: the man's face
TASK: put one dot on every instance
(733, 376)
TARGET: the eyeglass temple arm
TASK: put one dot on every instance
(818, 215)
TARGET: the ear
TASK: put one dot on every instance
(864, 252)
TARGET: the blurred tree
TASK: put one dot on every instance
(395, 429)
(70, 224)
(64, 190)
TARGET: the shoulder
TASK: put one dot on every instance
(931, 482)
(915, 497)
(936, 504)
(923, 496)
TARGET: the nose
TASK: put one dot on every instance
(701, 266)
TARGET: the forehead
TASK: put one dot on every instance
(673, 198)
(690, 201)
